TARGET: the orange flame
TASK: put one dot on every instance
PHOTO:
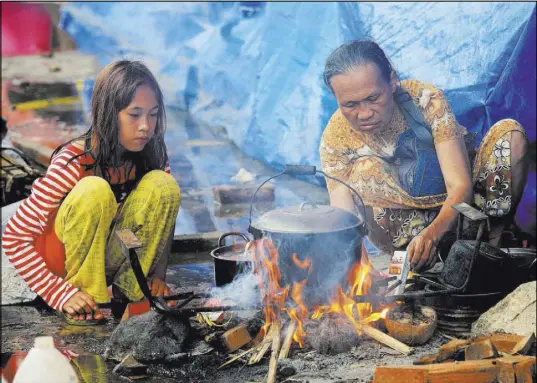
(300, 314)
(303, 265)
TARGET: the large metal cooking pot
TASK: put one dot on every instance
(329, 236)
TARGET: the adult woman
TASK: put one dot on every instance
(400, 146)
(114, 176)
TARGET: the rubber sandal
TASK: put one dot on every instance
(84, 322)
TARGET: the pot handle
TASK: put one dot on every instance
(303, 170)
(311, 203)
(224, 236)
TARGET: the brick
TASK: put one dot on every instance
(481, 350)
(236, 337)
(524, 345)
(136, 308)
(233, 194)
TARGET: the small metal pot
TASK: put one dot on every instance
(229, 261)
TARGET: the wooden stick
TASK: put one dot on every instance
(288, 340)
(263, 348)
(238, 357)
(276, 341)
(379, 336)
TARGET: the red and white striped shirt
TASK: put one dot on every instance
(31, 219)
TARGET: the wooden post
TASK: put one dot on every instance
(288, 341)
(271, 377)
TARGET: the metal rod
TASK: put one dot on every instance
(214, 309)
(393, 287)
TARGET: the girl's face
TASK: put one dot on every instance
(138, 120)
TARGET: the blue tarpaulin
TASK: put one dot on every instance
(255, 68)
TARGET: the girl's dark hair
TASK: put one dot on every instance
(354, 54)
(113, 91)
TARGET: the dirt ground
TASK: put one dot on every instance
(21, 324)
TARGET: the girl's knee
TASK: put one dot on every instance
(92, 191)
(161, 182)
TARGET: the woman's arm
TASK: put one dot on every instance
(455, 167)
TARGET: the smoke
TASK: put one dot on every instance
(332, 256)
(242, 292)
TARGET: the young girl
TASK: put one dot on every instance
(115, 176)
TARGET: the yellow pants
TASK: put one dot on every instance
(89, 216)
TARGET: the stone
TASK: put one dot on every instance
(150, 337)
(286, 368)
(515, 314)
(14, 289)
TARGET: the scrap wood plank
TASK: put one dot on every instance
(524, 345)
(480, 350)
(526, 371)
(503, 342)
(473, 371)
(451, 348)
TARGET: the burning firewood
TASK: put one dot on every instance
(237, 357)
(284, 352)
(383, 338)
(263, 348)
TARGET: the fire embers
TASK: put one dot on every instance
(292, 297)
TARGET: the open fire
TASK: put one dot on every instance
(289, 299)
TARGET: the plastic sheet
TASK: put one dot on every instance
(255, 68)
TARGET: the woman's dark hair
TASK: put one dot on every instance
(113, 91)
(354, 54)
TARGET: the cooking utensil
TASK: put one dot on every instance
(450, 283)
(230, 260)
(329, 236)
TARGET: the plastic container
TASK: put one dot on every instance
(45, 364)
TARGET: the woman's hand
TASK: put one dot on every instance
(422, 250)
(81, 306)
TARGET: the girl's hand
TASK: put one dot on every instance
(159, 288)
(81, 306)
(422, 250)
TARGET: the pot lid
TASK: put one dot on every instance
(307, 218)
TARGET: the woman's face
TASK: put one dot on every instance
(137, 121)
(364, 97)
